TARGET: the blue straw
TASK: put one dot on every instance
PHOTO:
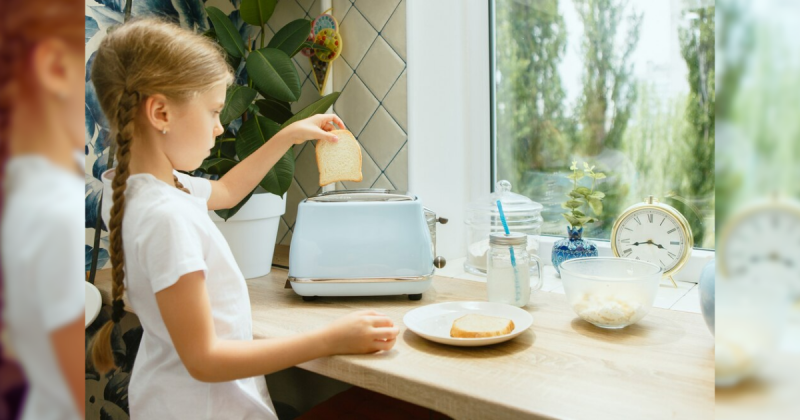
(510, 249)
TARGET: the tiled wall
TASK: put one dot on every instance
(371, 74)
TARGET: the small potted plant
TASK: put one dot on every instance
(579, 197)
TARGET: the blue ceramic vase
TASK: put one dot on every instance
(573, 247)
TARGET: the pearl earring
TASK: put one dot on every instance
(164, 131)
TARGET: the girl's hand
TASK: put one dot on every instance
(360, 332)
(316, 127)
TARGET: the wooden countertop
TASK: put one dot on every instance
(563, 367)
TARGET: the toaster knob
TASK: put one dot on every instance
(439, 262)
(442, 220)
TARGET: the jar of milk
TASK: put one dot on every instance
(510, 273)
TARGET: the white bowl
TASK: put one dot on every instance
(610, 292)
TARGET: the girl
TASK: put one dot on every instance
(41, 130)
(162, 89)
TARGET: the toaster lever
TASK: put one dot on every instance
(442, 220)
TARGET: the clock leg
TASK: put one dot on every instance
(673, 282)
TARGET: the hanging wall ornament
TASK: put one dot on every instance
(325, 33)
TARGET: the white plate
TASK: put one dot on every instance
(434, 321)
(93, 303)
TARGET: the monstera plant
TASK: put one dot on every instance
(258, 104)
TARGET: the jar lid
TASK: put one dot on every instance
(512, 202)
(511, 239)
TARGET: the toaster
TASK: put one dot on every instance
(363, 243)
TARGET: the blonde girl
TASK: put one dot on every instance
(162, 89)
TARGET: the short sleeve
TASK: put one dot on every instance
(169, 245)
(60, 274)
(199, 187)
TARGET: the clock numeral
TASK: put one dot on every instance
(627, 228)
(627, 252)
(673, 256)
(637, 219)
(672, 230)
(662, 264)
(650, 218)
(662, 221)
(674, 242)
(626, 241)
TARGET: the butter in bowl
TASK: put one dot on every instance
(610, 292)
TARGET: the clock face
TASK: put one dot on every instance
(763, 246)
(652, 235)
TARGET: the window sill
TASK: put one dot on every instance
(684, 298)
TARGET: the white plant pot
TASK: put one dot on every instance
(252, 231)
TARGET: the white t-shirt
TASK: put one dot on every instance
(167, 233)
(44, 270)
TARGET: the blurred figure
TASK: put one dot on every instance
(41, 133)
(758, 212)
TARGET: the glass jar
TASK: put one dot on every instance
(511, 271)
(522, 214)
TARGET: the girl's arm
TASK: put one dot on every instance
(239, 181)
(186, 311)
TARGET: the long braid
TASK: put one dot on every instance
(102, 354)
(178, 184)
(135, 60)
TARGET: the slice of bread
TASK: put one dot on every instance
(339, 161)
(479, 326)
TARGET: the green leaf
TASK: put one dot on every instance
(227, 34)
(278, 111)
(598, 195)
(279, 178)
(572, 204)
(596, 205)
(257, 12)
(237, 99)
(253, 134)
(273, 74)
(228, 213)
(318, 107)
(586, 220)
(224, 148)
(583, 191)
(575, 176)
(574, 194)
(599, 175)
(217, 166)
(291, 37)
(578, 213)
(573, 221)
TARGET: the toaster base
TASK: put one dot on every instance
(361, 287)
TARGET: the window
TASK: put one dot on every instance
(625, 85)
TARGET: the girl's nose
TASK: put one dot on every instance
(218, 128)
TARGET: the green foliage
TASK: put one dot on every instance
(580, 196)
(641, 142)
(264, 102)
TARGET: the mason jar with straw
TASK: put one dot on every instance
(508, 278)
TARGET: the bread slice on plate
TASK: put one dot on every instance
(339, 161)
(480, 326)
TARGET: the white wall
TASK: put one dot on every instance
(449, 111)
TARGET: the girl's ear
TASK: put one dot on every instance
(158, 112)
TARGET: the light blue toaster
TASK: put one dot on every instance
(363, 243)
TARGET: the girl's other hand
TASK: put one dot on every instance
(360, 332)
(316, 127)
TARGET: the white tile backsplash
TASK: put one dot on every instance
(371, 76)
